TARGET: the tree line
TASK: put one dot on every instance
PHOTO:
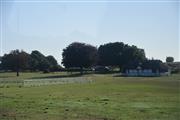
(82, 55)
(115, 54)
(18, 60)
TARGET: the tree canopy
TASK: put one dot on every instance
(19, 61)
(120, 54)
(53, 64)
(16, 60)
(38, 61)
(79, 55)
(169, 59)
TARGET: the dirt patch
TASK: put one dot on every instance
(7, 114)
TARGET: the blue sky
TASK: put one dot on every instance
(50, 26)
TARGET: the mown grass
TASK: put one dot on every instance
(106, 98)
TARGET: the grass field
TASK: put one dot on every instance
(105, 98)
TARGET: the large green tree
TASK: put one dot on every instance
(110, 54)
(38, 61)
(155, 65)
(79, 55)
(120, 54)
(53, 63)
(19, 60)
(169, 59)
(16, 60)
(132, 56)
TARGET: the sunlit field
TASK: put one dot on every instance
(90, 97)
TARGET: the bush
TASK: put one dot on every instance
(175, 71)
(46, 71)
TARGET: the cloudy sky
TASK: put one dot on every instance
(49, 26)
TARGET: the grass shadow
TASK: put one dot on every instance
(58, 76)
(5, 76)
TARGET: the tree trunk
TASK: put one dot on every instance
(17, 66)
(81, 70)
(17, 72)
(121, 69)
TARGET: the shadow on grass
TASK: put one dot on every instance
(68, 75)
(58, 76)
(5, 76)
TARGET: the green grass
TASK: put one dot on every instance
(106, 98)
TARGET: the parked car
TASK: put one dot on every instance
(101, 69)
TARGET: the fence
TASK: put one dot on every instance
(40, 82)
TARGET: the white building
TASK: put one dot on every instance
(145, 72)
